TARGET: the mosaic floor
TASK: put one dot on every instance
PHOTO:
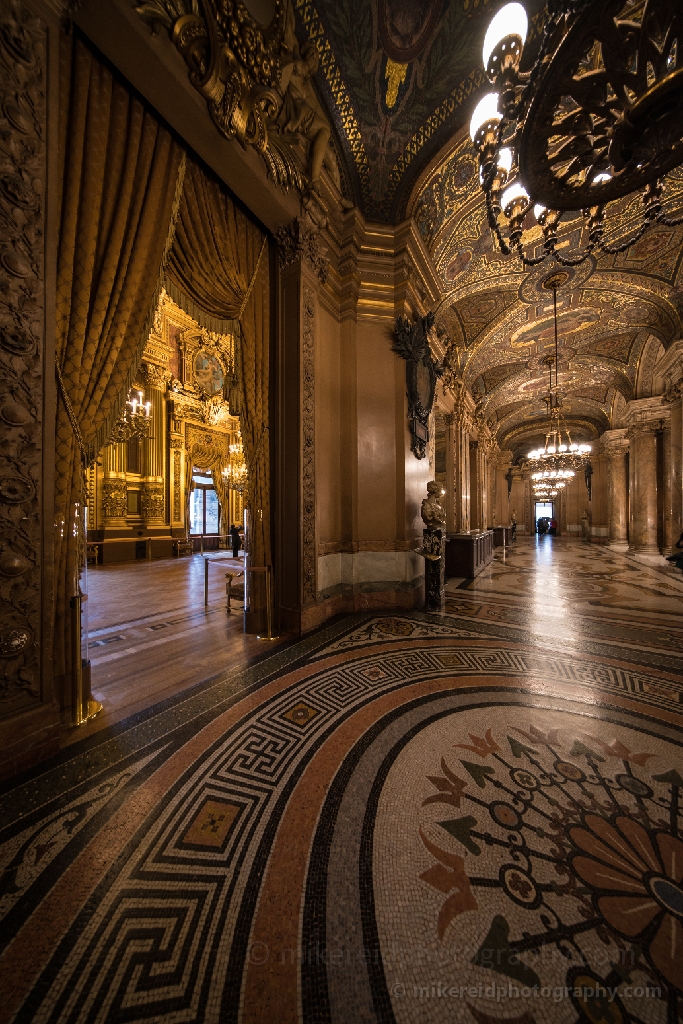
(473, 816)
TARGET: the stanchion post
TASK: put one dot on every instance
(206, 583)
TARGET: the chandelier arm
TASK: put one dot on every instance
(670, 222)
(533, 261)
(568, 261)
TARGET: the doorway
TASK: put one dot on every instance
(543, 509)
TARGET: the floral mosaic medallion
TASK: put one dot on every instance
(532, 873)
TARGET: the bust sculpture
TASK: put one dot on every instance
(433, 512)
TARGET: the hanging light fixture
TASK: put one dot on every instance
(135, 421)
(560, 456)
(235, 473)
(598, 117)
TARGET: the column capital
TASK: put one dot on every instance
(642, 411)
(615, 442)
(301, 240)
(643, 427)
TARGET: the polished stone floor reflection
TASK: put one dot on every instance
(471, 816)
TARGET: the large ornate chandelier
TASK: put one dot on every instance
(598, 117)
(235, 472)
(555, 463)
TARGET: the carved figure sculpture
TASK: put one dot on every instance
(300, 110)
(433, 512)
(585, 525)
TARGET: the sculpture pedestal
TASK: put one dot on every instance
(434, 553)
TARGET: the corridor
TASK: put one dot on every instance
(472, 815)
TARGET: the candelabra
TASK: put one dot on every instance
(135, 421)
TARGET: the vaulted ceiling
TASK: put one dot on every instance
(616, 315)
(399, 79)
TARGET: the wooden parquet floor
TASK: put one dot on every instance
(150, 636)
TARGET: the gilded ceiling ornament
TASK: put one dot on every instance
(395, 75)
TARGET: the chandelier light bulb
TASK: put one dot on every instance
(515, 192)
(510, 20)
(485, 111)
(562, 448)
(539, 211)
(505, 159)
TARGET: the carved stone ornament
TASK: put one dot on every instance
(114, 504)
(422, 373)
(237, 66)
(22, 186)
(152, 501)
(301, 240)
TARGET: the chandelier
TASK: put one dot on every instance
(598, 117)
(135, 421)
(557, 461)
(235, 473)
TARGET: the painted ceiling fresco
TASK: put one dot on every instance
(616, 315)
(399, 78)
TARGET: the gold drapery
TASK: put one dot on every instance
(218, 269)
(122, 178)
(211, 458)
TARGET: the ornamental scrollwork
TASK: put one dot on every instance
(23, 175)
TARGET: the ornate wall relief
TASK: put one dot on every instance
(152, 502)
(176, 486)
(22, 185)
(309, 551)
(114, 498)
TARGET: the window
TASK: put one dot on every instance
(203, 505)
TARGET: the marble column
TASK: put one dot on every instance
(643, 492)
(615, 444)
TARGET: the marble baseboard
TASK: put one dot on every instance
(367, 570)
(387, 598)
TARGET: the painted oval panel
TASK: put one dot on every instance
(208, 373)
(405, 26)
